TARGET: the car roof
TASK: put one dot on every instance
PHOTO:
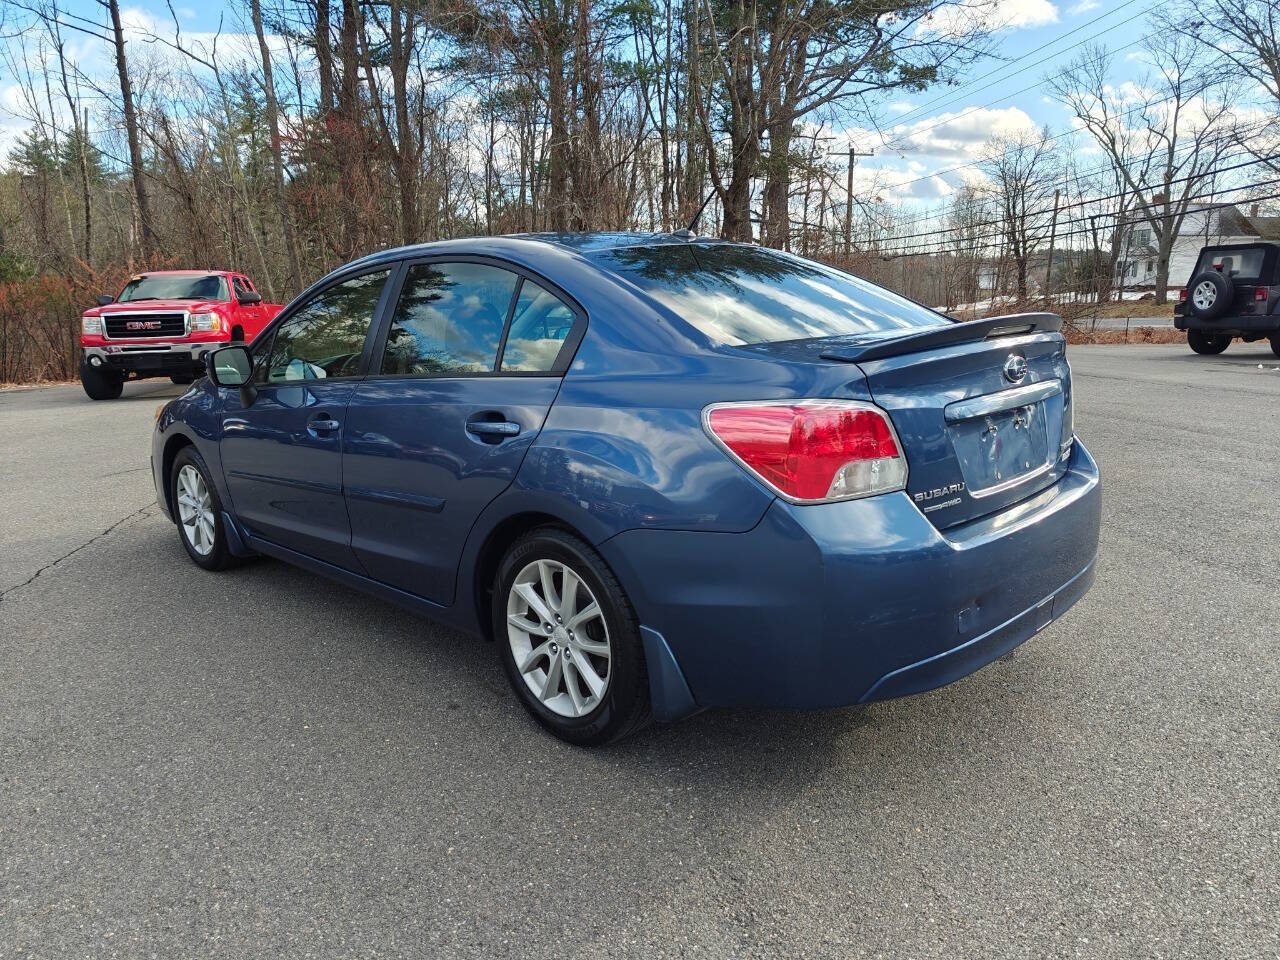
(1240, 246)
(581, 243)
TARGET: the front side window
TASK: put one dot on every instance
(325, 338)
(449, 319)
(169, 286)
(540, 326)
(737, 294)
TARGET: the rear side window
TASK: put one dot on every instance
(325, 339)
(743, 295)
(449, 319)
(1235, 263)
(539, 328)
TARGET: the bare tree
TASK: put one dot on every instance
(1021, 170)
(1165, 140)
(147, 229)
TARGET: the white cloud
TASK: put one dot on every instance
(1084, 6)
(991, 16)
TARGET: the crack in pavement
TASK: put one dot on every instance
(71, 553)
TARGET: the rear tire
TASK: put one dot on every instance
(579, 666)
(1207, 343)
(1275, 344)
(99, 384)
(197, 511)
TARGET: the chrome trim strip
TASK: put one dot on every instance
(1013, 482)
(991, 403)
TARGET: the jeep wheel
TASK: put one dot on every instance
(1207, 343)
(1210, 295)
(99, 384)
(197, 510)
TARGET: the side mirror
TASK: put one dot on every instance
(249, 298)
(232, 367)
(105, 299)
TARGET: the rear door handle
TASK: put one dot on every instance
(493, 429)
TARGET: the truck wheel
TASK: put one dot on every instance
(237, 334)
(1207, 343)
(99, 384)
(182, 379)
(1275, 344)
(198, 511)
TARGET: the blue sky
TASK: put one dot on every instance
(920, 136)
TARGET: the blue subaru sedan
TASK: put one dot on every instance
(660, 473)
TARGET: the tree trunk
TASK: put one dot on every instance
(557, 200)
(148, 237)
(277, 161)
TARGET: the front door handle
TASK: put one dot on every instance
(323, 423)
(493, 430)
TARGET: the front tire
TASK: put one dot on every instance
(198, 511)
(570, 639)
(1275, 344)
(99, 384)
(1207, 343)
(182, 379)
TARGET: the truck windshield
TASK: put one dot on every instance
(736, 294)
(175, 287)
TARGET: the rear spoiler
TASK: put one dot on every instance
(1010, 325)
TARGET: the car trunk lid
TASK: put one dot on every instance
(982, 409)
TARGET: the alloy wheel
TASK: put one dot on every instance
(559, 638)
(195, 510)
(1204, 295)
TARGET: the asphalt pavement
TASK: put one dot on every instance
(263, 764)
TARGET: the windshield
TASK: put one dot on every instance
(175, 287)
(741, 295)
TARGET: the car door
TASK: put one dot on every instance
(282, 453)
(252, 316)
(461, 382)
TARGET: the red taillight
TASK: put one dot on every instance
(1260, 294)
(1182, 294)
(813, 450)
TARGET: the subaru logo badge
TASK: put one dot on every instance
(1015, 368)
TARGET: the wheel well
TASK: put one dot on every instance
(495, 547)
(171, 448)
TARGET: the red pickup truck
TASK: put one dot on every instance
(163, 323)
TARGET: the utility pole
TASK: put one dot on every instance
(1053, 236)
(848, 200)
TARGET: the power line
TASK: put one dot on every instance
(964, 92)
(926, 249)
(1114, 196)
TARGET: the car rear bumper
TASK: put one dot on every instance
(150, 359)
(834, 604)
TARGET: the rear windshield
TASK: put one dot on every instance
(1235, 263)
(175, 287)
(744, 295)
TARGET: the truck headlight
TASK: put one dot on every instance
(91, 326)
(205, 322)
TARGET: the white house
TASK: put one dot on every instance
(1203, 225)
